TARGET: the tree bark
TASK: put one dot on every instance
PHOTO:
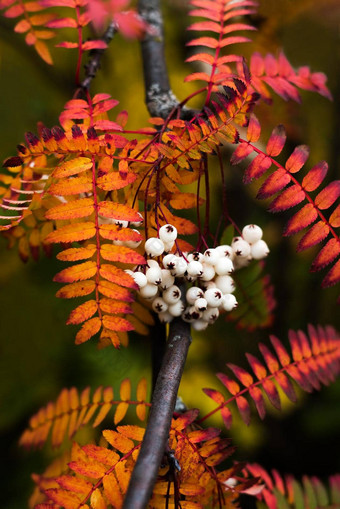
(163, 403)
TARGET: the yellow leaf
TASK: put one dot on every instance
(118, 441)
(125, 390)
(101, 454)
(112, 336)
(72, 167)
(114, 291)
(97, 500)
(43, 51)
(120, 412)
(74, 232)
(89, 329)
(133, 432)
(72, 209)
(68, 187)
(118, 276)
(113, 181)
(79, 272)
(112, 491)
(116, 323)
(185, 201)
(83, 312)
(114, 307)
(113, 232)
(141, 389)
(74, 484)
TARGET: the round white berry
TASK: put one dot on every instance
(193, 294)
(229, 302)
(259, 250)
(154, 275)
(240, 247)
(199, 324)
(195, 256)
(208, 272)
(152, 263)
(159, 305)
(172, 295)
(190, 279)
(225, 250)
(252, 233)
(224, 266)
(132, 243)
(140, 279)
(176, 309)
(194, 313)
(201, 304)
(169, 261)
(168, 233)
(211, 256)
(167, 279)
(195, 269)
(213, 297)
(149, 291)
(154, 246)
(180, 267)
(165, 317)
(211, 314)
(225, 283)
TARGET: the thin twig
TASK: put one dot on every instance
(163, 402)
(93, 65)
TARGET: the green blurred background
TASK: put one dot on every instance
(38, 355)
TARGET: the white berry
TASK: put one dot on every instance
(252, 233)
(199, 324)
(154, 275)
(193, 294)
(201, 304)
(169, 261)
(259, 250)
(168, 233)
(180, 267)
(208, 272)
(172, 295)
(194, 269)
(121, 224)
(149, 291)
(168, 246)
(225, 250)
(213, 297)
(211, 256)
(195, 256)
(229, 302)
(225, 284)
(224, 266)
(176, 309)
(240, 247)
(211, 314)
(167, 279)
(154, 247)
(140, 279)
(159, 305)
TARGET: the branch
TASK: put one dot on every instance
(93, 65)
(163, 402)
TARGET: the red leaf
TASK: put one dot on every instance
(257, 397)
(257, 167)
(327, 254)
(245, 378)
(215, 395)
(244, 409)
(315, 176)
(290, 197)
(276, 141)
(304, 217)
(274, 183)
(333, 276)
(316, 234)
(297, 159)
(89, 45)
(254, 129)
(226, 416)
(334, 219)
(328, 195)
(242, 151)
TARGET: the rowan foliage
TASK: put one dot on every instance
(101, 194)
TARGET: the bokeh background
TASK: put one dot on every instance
(38, 356)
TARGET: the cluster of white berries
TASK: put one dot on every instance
(209, 272)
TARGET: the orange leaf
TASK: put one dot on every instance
(114, 181)
(97, 499)
(118, 276)
(79, 272)
(113, 232)
(72, 167)
(118, 441)
(131, 431)
(72, 209)
(74, 484)
(112, 336)
(118, 211)
(116, 323)
(67, 187)
(43, 51)
(72, 233)
(114, 307)
(83, 312)
(89, 329)
(77, 253)
(114, 291)
(185, 201)
(63, 498)
(141, 389)
(88, 469)
(121, 254)
(125, 390)
(76, 290)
